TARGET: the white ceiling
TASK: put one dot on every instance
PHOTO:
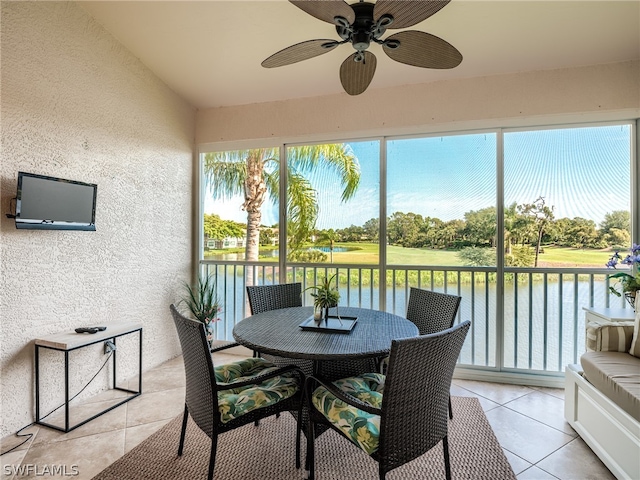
(209, 52)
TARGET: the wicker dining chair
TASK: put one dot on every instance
(229, 396)
(431, 312)
(264, 298)
(394, 418)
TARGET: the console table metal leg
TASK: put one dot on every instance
(140, 361)
(115, 352)
(66, 390)
(37, 359)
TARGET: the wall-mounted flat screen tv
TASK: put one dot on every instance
(50, 203)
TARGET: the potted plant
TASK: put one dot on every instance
(627, 284)
(324, 297)
(202, 301)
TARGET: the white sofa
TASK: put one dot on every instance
(605, 410)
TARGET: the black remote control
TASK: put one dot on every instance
(90, 329)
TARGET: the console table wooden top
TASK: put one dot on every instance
(71, 340)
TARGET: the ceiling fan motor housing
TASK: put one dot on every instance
(361, 30)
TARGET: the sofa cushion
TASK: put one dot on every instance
(609, 336)
(616, 375)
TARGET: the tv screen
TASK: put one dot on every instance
(49, 203)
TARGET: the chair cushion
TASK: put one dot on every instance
(361, 427)
(236, 402)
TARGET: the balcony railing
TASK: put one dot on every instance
(538, 327)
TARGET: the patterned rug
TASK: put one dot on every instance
(268, 452)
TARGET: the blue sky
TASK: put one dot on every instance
(582, 172)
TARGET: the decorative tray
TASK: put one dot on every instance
(334, 324)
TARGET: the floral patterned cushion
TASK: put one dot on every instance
(361, 427)
(235, 402)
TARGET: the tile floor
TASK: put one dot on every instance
(528, 422)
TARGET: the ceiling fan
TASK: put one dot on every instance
(364, 22)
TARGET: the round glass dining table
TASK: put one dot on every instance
(278, 332)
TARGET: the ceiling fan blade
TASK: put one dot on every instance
(326, 10)
(407, 12)
(356, 76)
(299, 51)
(422, 49)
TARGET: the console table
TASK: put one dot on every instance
(69, 341)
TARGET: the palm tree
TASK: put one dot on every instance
(255, 174)
(329, 236)
(541, 216)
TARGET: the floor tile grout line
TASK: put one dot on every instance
(536, 466)
(516, 455)
(551, 453)
(490, 399)
(539, 421)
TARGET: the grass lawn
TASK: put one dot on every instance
(552, 256)
(573, 257)
(367, 254)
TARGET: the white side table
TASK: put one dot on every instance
(69, 341)
(609, 314)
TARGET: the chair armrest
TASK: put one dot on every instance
(341, 395)
(261, 378)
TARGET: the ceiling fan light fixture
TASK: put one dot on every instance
(361, 40)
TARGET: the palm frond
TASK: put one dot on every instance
(202, 299)
(321, 160)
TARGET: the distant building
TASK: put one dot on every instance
(227, 242)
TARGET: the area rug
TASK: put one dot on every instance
(268, 452)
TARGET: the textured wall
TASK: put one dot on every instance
(597, 92)
(76, 104)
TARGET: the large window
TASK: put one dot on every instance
(333, 203)
(567, 206)
(441, 200)
(241, 191)
(519, 223)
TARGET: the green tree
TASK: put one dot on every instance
(403, 228)
(216, 228)
(255, 175)
(582, 233)
(558, 231)
(329, 237)
(618, 238)
(477, 256)
(481, 226)
(540, 215)
(520, 256)
(510, 224)
(371, 229)
(618, 219)
(266, 234)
